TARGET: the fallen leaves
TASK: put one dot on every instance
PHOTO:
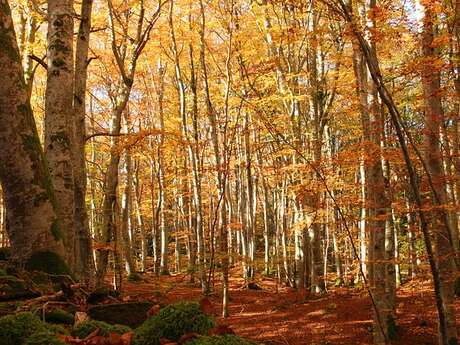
(95, 339)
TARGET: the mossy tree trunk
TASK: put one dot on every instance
(26, 183)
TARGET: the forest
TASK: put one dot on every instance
(229, 172)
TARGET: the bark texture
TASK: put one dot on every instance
(26, 183)
(58, 115)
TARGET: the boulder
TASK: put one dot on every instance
(131, 314)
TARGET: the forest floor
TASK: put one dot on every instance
(285, 316)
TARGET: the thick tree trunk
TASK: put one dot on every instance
(58, 115)
(438, 217)
(27, 186)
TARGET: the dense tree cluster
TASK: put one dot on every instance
(313, 141)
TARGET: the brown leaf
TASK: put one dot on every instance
(127, 338)
(220, 330)
(155, 309)
(206, 306)
(115, 339)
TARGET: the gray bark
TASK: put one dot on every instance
(27, 187)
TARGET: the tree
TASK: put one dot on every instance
(33, 225)
(59, 116)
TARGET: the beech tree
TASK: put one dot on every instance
(30, 202)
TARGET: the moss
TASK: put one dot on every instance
(6, 42)
(59, 45)
(56, 229)
(57, 329)
(49, 262)
(393, 328)
(87, 327)
(457, 287)
(6, 8)
(131, 314)
(7, 308)
(5, 253)
(134, 277)
(339, 282)
(172, 322)
(12, 288)
(13, 282)
(59, 63)
(62, 138)
(43, 338)
(60, 316)
(220, 340)
(40, 278)
(453, 341)
(42, 178)
(16, 328)
(100, 294)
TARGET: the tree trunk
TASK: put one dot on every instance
(84, 260)
(27, 186)
(58, 116)
(438, 217)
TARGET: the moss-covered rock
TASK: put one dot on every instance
(172, 322)
(220, 340)
(43, 338)
(100, 294)
(49, 262)
(87, 327)
(131, 314)
(59, 316)
(17, 328)
(12, 287)
(134, 277)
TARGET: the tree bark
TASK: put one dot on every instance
(84, 261)
(58, 116)
(26, 183)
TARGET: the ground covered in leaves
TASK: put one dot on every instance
(268, 316)
(171, 310)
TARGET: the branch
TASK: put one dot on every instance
(104, 134)
(40, 61)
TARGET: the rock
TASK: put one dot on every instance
(254, 286)
(131, 314)
(48, 262)
(59, 316)
(80, 316)
(101, 294)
